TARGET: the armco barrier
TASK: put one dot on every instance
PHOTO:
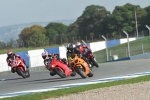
(3, 64)
(25, 56)
(111, 43)
(33, 57)
(96, 46)
(141, 56)
(62, 52)
(36, 58)
(121, 59)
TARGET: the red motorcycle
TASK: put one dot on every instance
(90, 56)
(59, 67)
(18, 66)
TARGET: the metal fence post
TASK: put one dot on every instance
(128, 43)
(106, 47)
(142, 49)
(148, 29)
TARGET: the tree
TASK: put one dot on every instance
(146, 19)
(33, 36)
(2, 45)
(123, 18)
(11, 43)
(91, 21)
(56, 31)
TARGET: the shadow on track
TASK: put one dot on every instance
(59, 80)
(49, 80)
(13, 79)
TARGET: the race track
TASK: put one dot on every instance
(39, 80)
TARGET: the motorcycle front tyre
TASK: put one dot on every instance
(81, 72)
(21, 73)
(28, 73)
(94, 62)
(90, 73)
(61, 73)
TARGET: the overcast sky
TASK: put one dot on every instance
(27, 11)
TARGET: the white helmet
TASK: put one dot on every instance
(78, 44)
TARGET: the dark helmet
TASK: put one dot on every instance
(70, 46)
(76, 50)
(9, 53)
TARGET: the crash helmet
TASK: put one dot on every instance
(70, 46)
(50, 55)
(9, 53)
(44, 54)
(78, 44)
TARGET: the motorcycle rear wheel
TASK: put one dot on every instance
(73, 72)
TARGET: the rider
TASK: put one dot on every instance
(70, 51)
(82, 48)
(46, 57)
(9, 58)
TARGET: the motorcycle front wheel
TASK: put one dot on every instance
(28, 73)
(60, 72)
(90, 73)
(21, 73)
(81, 72)
(94, 62)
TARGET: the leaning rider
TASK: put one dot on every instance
(10, 57)
(82, 48)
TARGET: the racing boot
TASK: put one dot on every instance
(52, 73)
(12, 70)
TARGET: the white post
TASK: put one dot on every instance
(106, 47)
(128, 43)
(142, 49)
(148, 29)
(136, 25)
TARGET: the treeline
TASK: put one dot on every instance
(94, 22)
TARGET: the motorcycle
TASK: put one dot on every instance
(90, 57)
(18, 67)
(58, 67)
(80, 66)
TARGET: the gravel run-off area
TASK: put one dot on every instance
(136, 91)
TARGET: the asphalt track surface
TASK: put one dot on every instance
(40, 80)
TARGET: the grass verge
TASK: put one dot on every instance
(63, 92)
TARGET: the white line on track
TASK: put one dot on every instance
(2, 79)
(75, 85)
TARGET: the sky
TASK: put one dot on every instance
(27, 11)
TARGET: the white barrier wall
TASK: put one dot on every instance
(3, 63)
(96, 46)
(125, 40)
(36, 57)
(37, 60)
(62, 52)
